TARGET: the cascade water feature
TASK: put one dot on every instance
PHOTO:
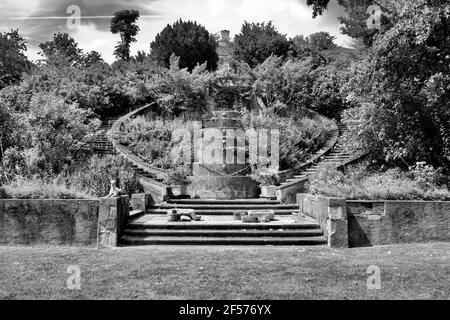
(220, 159)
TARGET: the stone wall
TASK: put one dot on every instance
(287, 193)
(64, 222)
(112, 220)
(331, 214)
(49, 222)
(369, 223)
(388, 222)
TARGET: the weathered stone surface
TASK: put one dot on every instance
(112, 220)
(142, 201)
(157, 191)
(288, 193)
(52, 222)
(393, 222)
(223, 187)
(331, 214)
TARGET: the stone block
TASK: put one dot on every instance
(113, 217)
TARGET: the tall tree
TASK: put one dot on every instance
(402, 91)
(321, 41)
(188, 40)
(258, 41)
(62, 46)
(124, 23)
(13, 62)
(354, 24)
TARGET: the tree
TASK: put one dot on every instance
(402, 90)
(124, 23)
(92, 58)
(62, 47)
(319, 6)
(354, 24)
(258, 41)
(13, 62)
(60, 133)
(189, 41)
(321, 41)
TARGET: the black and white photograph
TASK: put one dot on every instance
(225, 156)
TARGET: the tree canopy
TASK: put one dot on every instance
(124, 23)
(258, 41)
(13, 61)
(62, 45)
(403, 89)
(189, 41)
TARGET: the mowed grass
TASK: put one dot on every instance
(417, 271)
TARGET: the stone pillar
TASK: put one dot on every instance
(331, 214)
(337, 225)
(112, 220)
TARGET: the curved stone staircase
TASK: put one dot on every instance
(218, 226)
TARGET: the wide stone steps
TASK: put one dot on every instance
(228, 207)
(286, 230)
(225, 212)
(223, 226)
(224, 202)
(235, 241)
(243, 233)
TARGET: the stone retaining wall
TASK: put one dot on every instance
(369, 223)
(63, 222)
(387, 222)
(49, 222)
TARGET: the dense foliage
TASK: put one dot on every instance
(93, 176)
(124, 24)
(13, 62)
(360, 183)
(402, 91)
(189, 41)
(258, 41)
(154, 141)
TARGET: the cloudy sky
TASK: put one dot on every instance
(38, 20)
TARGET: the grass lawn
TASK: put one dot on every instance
(418, 271)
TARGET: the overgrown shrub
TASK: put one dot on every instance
(361, 184)
(299, 139)
(94, 177)
(25, 188)
(153, 140)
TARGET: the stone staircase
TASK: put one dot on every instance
(219, 228)
(336, 157)
(102, 145)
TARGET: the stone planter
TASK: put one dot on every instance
(269, 192)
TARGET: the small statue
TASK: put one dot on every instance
(115, 190)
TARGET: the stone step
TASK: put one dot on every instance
(297, 241)
(221, 212)
(301, 233)
(308, 225)
(237, 207)
(224, 202)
